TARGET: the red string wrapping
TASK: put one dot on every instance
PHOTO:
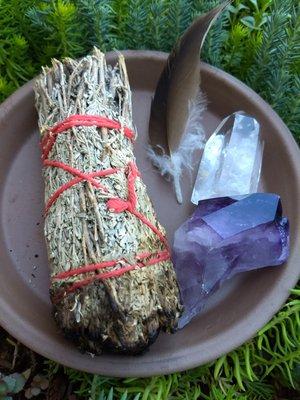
(116, 204)
(159, 257)
(79, 120)
(80, 176)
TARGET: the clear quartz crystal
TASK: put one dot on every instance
(231, 160)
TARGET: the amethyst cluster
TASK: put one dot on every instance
(223, 237)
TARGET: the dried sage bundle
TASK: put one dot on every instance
(113, 285)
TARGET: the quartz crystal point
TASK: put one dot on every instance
(231, 160)
(225, 236)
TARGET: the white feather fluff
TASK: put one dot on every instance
(171, 167)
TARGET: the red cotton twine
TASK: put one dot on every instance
(116, 205)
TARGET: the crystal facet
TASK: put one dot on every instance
(231, 160)
(225, 236)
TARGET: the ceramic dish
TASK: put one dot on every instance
(230, 318)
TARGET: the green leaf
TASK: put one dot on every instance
(249, 21)
(3, 388)
(26, 374)
(110, 394)
(237, 9)
(10, 383)
(254, 2)
(218, 366)
(124, 396)
(102, 395)
(237, 370)
(15, 382)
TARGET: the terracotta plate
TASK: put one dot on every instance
(233, 315)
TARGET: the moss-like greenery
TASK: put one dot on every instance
(258, 41)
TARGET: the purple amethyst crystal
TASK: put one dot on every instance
(225, 236)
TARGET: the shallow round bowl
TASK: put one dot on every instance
(231, 317)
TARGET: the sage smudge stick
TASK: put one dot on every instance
(99, 220)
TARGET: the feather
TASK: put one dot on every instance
(177, 102)
(192, 139)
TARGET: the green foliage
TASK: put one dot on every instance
(16, 64)
(255, 40)
(258, 41)
(56, 30)
(12, 384)
(98, 21)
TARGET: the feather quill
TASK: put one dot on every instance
(175, 128)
